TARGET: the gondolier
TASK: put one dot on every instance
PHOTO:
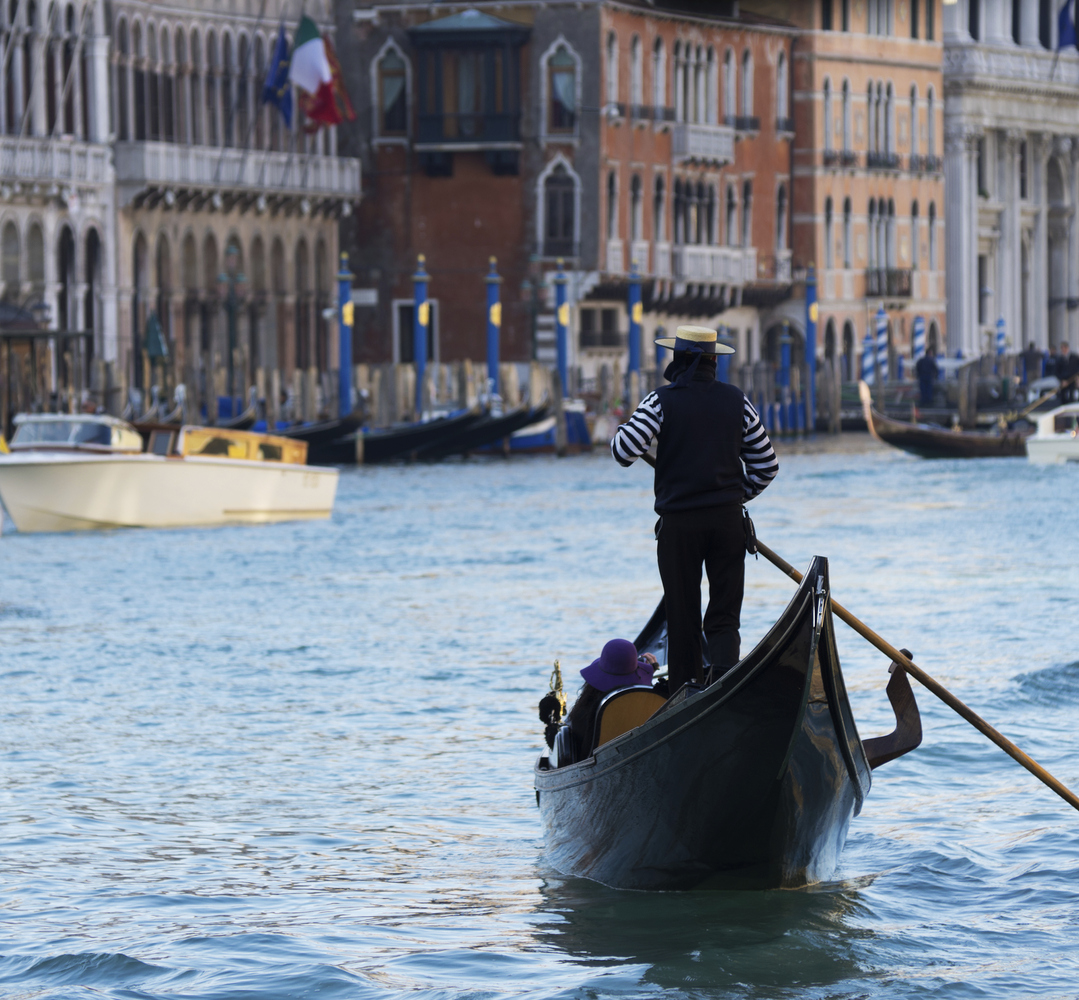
(712, 455)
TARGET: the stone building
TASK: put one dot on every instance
(1011, 120)
(604, 133)
(138, 168)
(868, 173)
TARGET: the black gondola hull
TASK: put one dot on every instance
(750, 783)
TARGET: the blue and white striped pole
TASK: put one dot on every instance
(1001, 336)
(494, 323)
(344, 323)
(882, 344)
(421, 321)
(919, 338)
(561, 324)
(869, 374)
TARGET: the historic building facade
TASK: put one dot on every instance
(868, 181)
(1011, 120)
(140, 174)
(606, 134)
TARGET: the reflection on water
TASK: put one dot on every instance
(297, 760)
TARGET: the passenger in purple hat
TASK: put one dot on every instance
(618, 666)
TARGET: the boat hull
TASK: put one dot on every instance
(750, 783)
(47, 492)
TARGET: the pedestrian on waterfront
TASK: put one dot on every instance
(618, 666)
(1067, 368)
(928, 371)
(712, 456)
(1033, 363)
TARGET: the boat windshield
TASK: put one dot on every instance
(69, 432)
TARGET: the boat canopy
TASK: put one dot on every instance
(63, 430)
(220, 442)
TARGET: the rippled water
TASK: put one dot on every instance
(295, 761)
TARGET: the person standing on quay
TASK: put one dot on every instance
(928, 371)
(712, 455)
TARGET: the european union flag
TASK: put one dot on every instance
(1066, 27)
(277, 90)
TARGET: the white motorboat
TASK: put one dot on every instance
(1057, 436)
(83, 472)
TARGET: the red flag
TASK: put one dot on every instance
(330, 105)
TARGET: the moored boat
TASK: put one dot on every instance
(927, 441)
(78, 472)
(1056, 439)
(402, 442)
(749, 782)
(489, 431)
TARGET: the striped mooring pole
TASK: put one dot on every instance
(882, 344)
(561, 324)
(919, 338)
(421, 320)
(869, 374)
(636, 314)
(344, 325)
(494, 323)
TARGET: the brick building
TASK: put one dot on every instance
(868, 185)
(603, 133)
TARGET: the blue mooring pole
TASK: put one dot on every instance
(723, 361)
(561, 325)
(421, 320)
(494, 323)
(344, 326)
(636, 314)
(812, 311)
(785, 422)
(868, 371)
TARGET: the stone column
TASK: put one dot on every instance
(997, 21)
(1072, 161)
(1028, 24)
(1009, 257)
(98, 95)
(1039, 264)
(955, 29)
(959, 255)
(37, 77)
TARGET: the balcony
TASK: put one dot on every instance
(58, 161)
(848, 158)
(695, 143)
(663, 260)
(926, 164)
(743, 123)
(639, 254)
(831, 157)
(882, 161)
(151, 171)
(775, 267)
(785, 125)
(888, 282)
(714, 265)
(616, 260)
(460, 131)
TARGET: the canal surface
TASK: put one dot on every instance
(295, 761)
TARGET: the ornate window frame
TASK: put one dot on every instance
(546, 135)
(541, 201)
(377, 138)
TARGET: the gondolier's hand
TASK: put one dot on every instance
(649, 658)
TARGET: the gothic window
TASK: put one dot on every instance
(914, 12)
(826, 15)
(243, 59)
(829, 236)
(636, 72)
(228, 110)
(747, 84)
(730, 103)
(393, 94)
(932, 236)
(153, 90)
(194, 101)
(679, 208)
(747, 214)
(828, 127)
(140, 83)
(711, 88)
(168, 92)
(781, 217)
(732, 217)
(846, 116)
(612, 206)
(636, 214)
(659, 70)
(914, 121)
(872, 232)
(930, 19)
(560, 211)
(658, 211)
(562, 91)
(612, 68)
(9, 263)
(712, 236)
(782, 112)
(210, 136)
(846, 232)
(914, 236)
(930, 124)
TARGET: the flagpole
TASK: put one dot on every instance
(236, 101)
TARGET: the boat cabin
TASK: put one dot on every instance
(82, 432)
(219, 442)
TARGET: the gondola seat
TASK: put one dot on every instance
(625, 709)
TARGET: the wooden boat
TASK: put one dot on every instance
(939, 442)
(79, 472)
(400, 442)
(750, 782)
(488, 431)
(1057, 437)
(323, 433)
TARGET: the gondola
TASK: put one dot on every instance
(488, 431)
(320, 436)
(939, 442)
(400, 441)
(749, 782)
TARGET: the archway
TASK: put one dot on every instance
(850, 342)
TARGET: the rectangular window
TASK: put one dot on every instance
(914, 18)
(826, 15)
(931, 19)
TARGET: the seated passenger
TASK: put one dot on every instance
(618, 666)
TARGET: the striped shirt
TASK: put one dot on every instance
(633, 438)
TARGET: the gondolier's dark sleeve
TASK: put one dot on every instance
(758, 456)
(633, 438)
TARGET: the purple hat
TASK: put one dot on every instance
(617, 667)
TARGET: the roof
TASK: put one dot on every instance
(467, 20)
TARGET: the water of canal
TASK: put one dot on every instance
(295, 761)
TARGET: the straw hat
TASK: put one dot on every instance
(689, 337)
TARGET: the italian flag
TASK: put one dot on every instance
(315, 71)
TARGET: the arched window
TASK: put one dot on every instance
(872, 232)
(209, 88)
(261, 110)
(636, 208)
(829, 235)
(781, 218)
(139, 82)
(732, 217)
(636, 72)
(679, 107)
(747, 84)
(782, 112)
(828, 125)
(68, 83)
(747, 214)
(710, 217)
(659, 220)
(243, 68)
(914, 120)
(890, 236)
(678, 217)
(914, 235)
(9, 263)
(612, 206)
(848, 351)
(889, 120)
(846, 232)
(932, 236)
(711, 88)
(153, 87)
(562, 88)
(846, 116)
(612, 68)
(826, 15)
(35, 252)
(693, 215)
(167, 89)
(871, 118)
(930, 124)
(393, 94)
(227, 106)
(121, 70)
(730, 103)
(659, 74)
(700, 212)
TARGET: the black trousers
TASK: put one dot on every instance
(712, 537)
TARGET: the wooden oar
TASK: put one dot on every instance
(925, 680)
